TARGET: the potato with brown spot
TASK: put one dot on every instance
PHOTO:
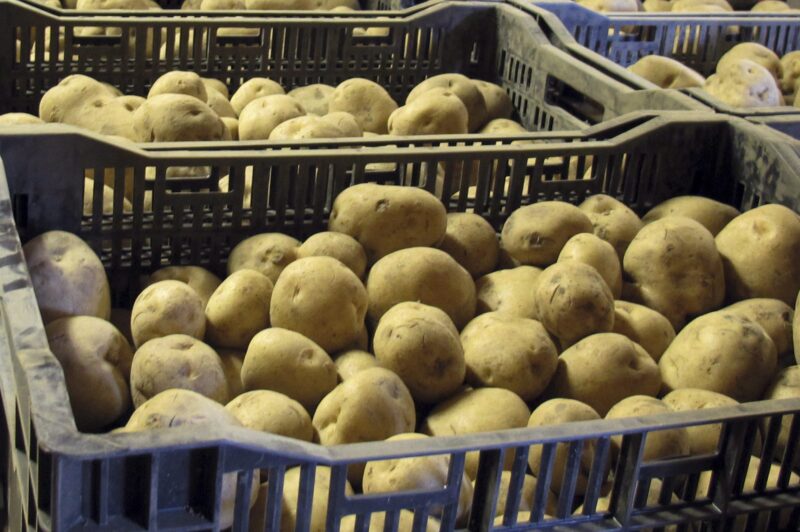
(612, 221)
(314, 98)
(268, 253)
(167, 307)
(272, 412)
(498, 102)
(509, 291)
(774, 316)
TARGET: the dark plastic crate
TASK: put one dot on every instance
(366, 5)
(696, 40)
(551, 87)
(59, 479)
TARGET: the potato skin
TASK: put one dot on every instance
(645, 326)
(498, 102)
(340, 246)
(367, 101)
(238, 309)
(201, 280)
(68, 278)
(261, 116)
(711, 214)
(463, 87)
(164, 308)
(535, 234)
(427, 275)
(386, 218)
(252, 89)
(322, 299)
(314, 98)
(722, 352)
(597, 253)
(268, 253)
(612, 221)
(660, 444)
(352, 361)
(437, 112)
(666, 72)
(510, 291)
(178, 82)
(96, 359)
(175, 118)
(773, 315)
(703, 439)
(472, 242)
(272, 412)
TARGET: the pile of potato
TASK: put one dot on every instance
(208, 5)
(404, 322)
(182, 106)
(686, 6)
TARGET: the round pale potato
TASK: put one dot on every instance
(612, 221)
(603, 369)
(176, 118)
(177, 361)
(767, 235)
(350, 362)
(723, 352)
(262, 115)
(305, 127)
(771, 6)
(345, 122)
(557, 412)
(287, 362)
(19, 119)
(268, 253)
(96, 359)
(498, 102)
(252, 89)
(502, 125)
(421, 345)
(785, 385)
(340, 246)
(744, 84)
(703, 439)
(774, 316)
(790, 64)
(313, 98)
(755, 52)
(503, 351)
(272, 412)
(597, 253)
(644, 326)
(220, 104)
(202, 281)
(232, 125)
(666, 72)
(367, 101)
(474, 411)
(526, 496)
(573, 301)
(472, 242)
(675, 268)
(167, 307)
(232, 360)
(660, 444)
(319, 502)
(416, 473)
(238, 309)
(713, 215)
(429, 276)
(510, 291)
(178, 82)
(217, 85)
(386, 218)
(463, 87)
(67, 101)
(436, 112)
(67, 277)
(535, 234)
(322, 299)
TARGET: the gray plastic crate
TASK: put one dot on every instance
(59, 479)
(551, 87)
(696, 40)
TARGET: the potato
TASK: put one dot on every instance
(503, 351)
(340, 246)
(472, 242)
(378, 520)
(573, 301)
(499, 126)
(272, 412)
(67, 277)
(785, 385)
(610, 6)
(19, 119)
(220, 104)
(262, 115)
(175, 118)
(509, 291)
(713, 215)
(603, 369)
(386, 218)
(597, 253)
(367, 101)
(313, 98)
(66, 101)
(463, 87)
(723, 352)
(238, 309)
(305, 127)
(666, 72)
(427, 275)
(474, 411)
(498, 102)
(350, 362)
(527, 494)
(437, 112)
(421, 345)
(556, 412)
(612, 221)
(130, 103)
(252, 89)
(216, 85)
(322, 299)
(174, 408)
(774, 316)
(222, 5)
(319, 501)
(660, 444)
(279, 5)
(767, 235)
(675, 269)
(345, 122)
(744, 84)
(268, 253)
(164, 308)
(178, 82)
(703, 439)
(96, 360)
(702, 6)
(770, 6)
(790, 66)
(232, 125)
(416, 473)
(287, 362)
(232, 360)
(644, 326)
(796, 330)
(535, 234)
(755, 52)
(202, 281)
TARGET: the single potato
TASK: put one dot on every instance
(612, 221)
(252, 89)
(755, 52)
(268, 253)
(263, 115)
(660, 444)
(463, 87)
(597, 253)
(345, 122)
(164, 308)
(340, 246)
(644, 326)
(367, 101)
(703, 439)
(350, 362)
(498, 102)
(437, 112)
(472, 242)
(713, 215)
(305, 127)
(176, 118)
(180, 82)
(217, 85)
(509, 291)
(774, 316)
(744, 84)
(238, 309)
(314, 98)
(199, 279)
(666, 72)
(272, 412)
